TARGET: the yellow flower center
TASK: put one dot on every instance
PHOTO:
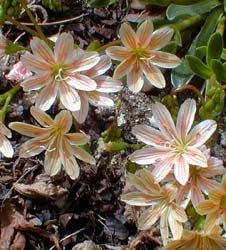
(141, 53)
(59, 72)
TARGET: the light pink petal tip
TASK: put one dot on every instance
(128, 36)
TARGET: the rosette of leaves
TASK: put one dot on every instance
(10, 8)
(211, 66)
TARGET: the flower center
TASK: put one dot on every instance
(59, 72)
(141, 53)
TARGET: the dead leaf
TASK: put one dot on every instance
(42, 188)
(86, 245)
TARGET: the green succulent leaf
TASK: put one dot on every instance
(201, 51)
(225, 6)
(93, 46)
(214, 47)
(198, 67)
(100, 3)
(201, 7)
(223, 54)
(219, 69)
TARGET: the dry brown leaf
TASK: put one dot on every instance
(42, 188)
(86, 245)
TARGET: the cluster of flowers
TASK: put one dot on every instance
(181, 168)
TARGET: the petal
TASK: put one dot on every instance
(195, 157)
(82, 155)
(201, 133)
(149, 217)
(124, 68)
(164, 225)
(100, 68)
(5, 147)
(35, 146)
(175, 227)
(27, 129)
(178, 213)
(215, 167)
(144, 33)
(148, 135)
(185, 118)
(70, 164)
(162, 168)
(181, 170)
(77, 138)
(41, 117)
(108, 84)
(84, 61)
(206, 185)
(164, 121)
(135, 79)
(211, 221)
(128, 36)
(196, 196)
(4, 130)
(81, 82)
(53, 162)
(137, 199)
(164, 59)
(64, 49)
(69, 97)
(41, 51)
(35, 64)
(119, 53)
(160, 38)
(100, 99)
(47, 96)
(206, 207)
(82, 113)
(149, 155)
(63, 121)
(215, 195)
(153, 75)
(36, 82)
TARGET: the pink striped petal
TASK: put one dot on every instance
(41, 117)
(185, 118)
(64, 49)
(63, 121)
(137, 199)
(77, 138)
(81, 114)
(128, 36)
(47, 96)
(160, 38)
(69, 97)
(41, 51)
(153, 75)
(100, 68)
(37, 82)
(148, 135)
(162, 168)
(5, 147)
(81, 82)
(195, 157)
(107, 84)
(100, 99)
(124, 68)
(144, 33)
(196, 196)
(119, 53)
(164, 121)
(82, 155)
(164, 59)
(135, 79)
(201, 133)
(181, 170)
(149, 155)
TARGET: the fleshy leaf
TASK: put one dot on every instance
(214, 47)
(219, 69)
(198, 67)
(201, 7)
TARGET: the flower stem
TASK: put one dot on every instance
(7, 97)
(37, 27)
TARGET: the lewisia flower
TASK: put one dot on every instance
(139, 56)
(5, 146)
(2, 46)
(18, 73)
(173, 146)
(215, 207)
(60, 147)
(59, 73)
(160, 202)
(203, 240)
(201, 181)
(105, 85)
